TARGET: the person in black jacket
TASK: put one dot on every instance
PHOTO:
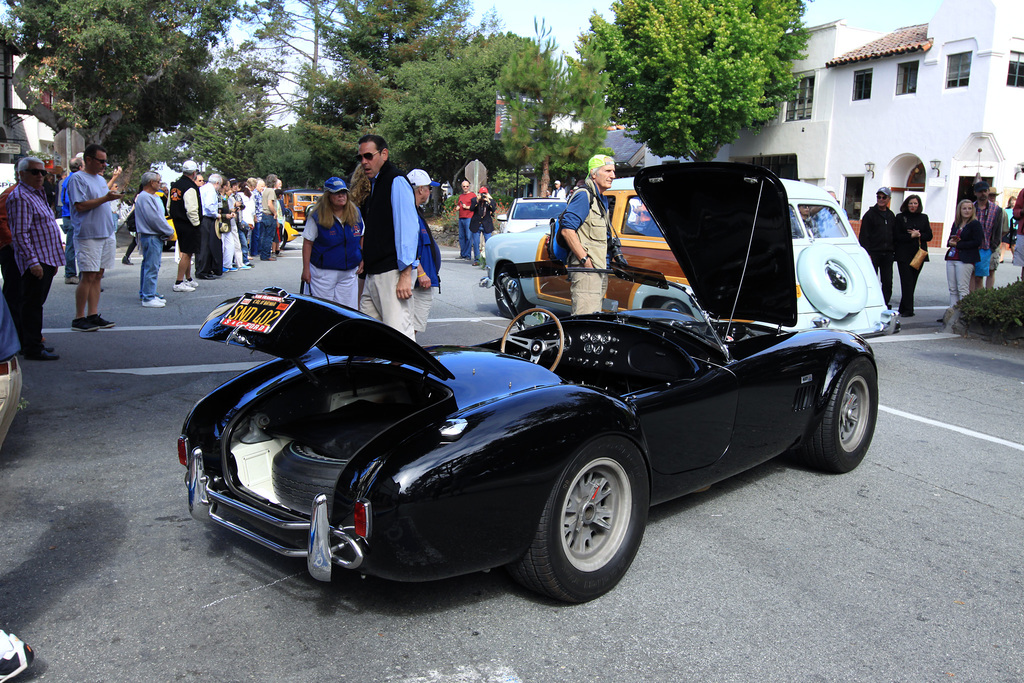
(965, 238)
(912, 232)
(876, 230)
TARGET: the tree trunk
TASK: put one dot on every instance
(545, 176)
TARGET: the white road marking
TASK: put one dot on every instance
(257, 588)
(952, 428)
(462, 673)
(127, 328)
(901, 337)
(184, 369)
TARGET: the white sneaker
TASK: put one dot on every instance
(154, 303)
(15, 656)
(192, 283)
(183, 286)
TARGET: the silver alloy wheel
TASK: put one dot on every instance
(852, 413)
(595, 514)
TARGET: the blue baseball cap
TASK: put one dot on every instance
(335, 184)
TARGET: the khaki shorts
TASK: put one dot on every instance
(94, 255)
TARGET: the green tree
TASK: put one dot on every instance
(440, 114)
(227, 138)
(108, 63)
(384, 34)
(373, 39)
(556, 109)
(688, 75)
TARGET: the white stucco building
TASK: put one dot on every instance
(924, 110)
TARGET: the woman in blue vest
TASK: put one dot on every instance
(331, 258)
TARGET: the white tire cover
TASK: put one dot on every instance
(831, 280)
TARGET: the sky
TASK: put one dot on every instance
(569, 19)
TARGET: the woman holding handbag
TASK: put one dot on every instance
(911, 235)
(965, 238)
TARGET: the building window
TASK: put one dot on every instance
(958, 70)
(799, 107)
(1016, 75)
(782, 165)
(862, 85)
(906, 78)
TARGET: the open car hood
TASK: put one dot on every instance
(288, 325)
(728, 226)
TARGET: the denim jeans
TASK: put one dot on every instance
(464, 236)
(268, 230)
(243, 239)
(70, 270)
(474, 241)
(254, 240)
(152, 248)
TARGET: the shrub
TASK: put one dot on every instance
(1002, 307)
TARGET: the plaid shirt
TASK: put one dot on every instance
(987, 218)
(34, 229)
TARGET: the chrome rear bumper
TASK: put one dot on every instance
(325, 545)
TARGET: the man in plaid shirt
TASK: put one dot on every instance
(37, 252)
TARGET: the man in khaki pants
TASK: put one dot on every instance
(585, 227)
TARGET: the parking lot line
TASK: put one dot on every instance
(952, 428)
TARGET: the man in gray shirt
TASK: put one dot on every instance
(93, 224)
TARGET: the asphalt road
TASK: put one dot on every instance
(907, 569)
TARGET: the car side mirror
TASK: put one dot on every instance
(502, 216)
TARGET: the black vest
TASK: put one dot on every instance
(176, 208)
(379, 254)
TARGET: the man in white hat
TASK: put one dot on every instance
(427, 253)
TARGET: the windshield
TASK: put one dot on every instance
(643, 293)
(819, 221)
(536, 210)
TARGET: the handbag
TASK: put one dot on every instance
(918, 259)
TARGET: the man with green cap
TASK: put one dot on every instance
(585, 227)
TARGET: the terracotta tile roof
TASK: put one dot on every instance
(901, 41)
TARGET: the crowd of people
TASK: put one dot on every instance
(980, 238)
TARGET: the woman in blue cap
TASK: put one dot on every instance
(331, 258)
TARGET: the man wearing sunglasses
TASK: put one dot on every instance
(390, 240)
(93, 224)
(37, 251)
(876, 228)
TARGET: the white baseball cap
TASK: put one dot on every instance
(418, 177)
(189, 167)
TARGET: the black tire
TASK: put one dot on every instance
(573, 557)
(508, 292)
(299, 474)
(842, 438)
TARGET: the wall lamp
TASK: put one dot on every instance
(935, 166)
(1018, 170)
(869, 167)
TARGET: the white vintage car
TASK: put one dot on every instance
(836, 283)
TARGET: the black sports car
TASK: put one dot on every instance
(543, 450)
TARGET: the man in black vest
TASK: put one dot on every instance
(184, 211)
(390, 239)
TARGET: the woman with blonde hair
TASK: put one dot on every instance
(331, 254)
(965, 238)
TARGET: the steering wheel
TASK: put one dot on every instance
(535, 348)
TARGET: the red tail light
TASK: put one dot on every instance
(361, 520)
(183, 450)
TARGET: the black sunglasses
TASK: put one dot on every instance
(367, 156)
(99, 161)
(36, 171)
